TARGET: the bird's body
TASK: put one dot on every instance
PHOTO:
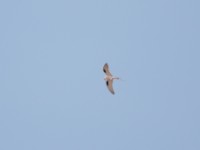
(109, 78)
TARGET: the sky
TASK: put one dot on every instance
(53, 95)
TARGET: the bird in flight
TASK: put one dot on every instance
(109, 78)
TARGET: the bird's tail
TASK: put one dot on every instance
(119, 78)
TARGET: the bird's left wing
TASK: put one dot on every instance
(106, 69)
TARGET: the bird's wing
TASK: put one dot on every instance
(106, 69)
(109, 84)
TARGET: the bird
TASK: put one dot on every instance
(109, 78)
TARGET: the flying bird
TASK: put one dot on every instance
(109, 78)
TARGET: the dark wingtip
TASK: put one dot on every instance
(104, 69)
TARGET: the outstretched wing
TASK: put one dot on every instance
(109, 84)
(106, 70)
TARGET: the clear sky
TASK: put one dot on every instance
(52, 92)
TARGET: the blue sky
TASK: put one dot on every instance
(53, 95)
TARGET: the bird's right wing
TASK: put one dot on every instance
(106, 69)
(109, 84)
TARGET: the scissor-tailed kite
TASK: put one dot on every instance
(109, 78)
